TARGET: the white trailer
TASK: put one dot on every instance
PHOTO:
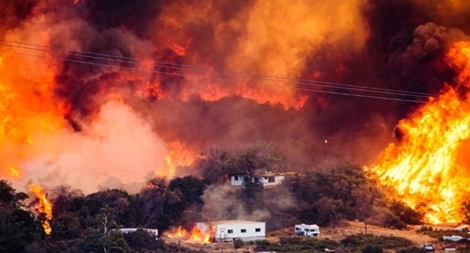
(307, 230)
(229, 230)
(152, 231)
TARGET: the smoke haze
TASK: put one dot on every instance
(73, 114)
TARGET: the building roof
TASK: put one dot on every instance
(261, 174)
(307, 225)
(233, 222)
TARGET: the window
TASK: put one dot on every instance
(243, 230)
(257, 229)
(235, 178)
(230, 231)
(271, 179)
(297, 229)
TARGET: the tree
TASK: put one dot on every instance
(212, 166)
(66, 226)
(18, 227)
(259, 156)
(141, 240)
(343, 191)
(105, 238)
(9, 196)
(152, 205)
(62, 198)
(407, 214)
(372, 249)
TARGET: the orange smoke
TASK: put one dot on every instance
(44, 206)
(427, 166)
(193, 236)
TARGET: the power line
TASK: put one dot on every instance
(93, 55)
(182, 67)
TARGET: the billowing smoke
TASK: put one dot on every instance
(272, 206)
(109, 86)
(105, 154)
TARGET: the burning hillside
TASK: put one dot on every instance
(104, 94)
(428, 165)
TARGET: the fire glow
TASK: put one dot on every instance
(193, 236)
(425, 167)
(44, 206)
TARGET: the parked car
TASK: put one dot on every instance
(428, 247)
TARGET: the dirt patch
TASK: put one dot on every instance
(352, 228)
(359, 227)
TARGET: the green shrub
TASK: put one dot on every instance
(238, 243)
(372, 249)
(412, 250)
(357, 242)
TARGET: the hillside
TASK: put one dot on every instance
(333, 233)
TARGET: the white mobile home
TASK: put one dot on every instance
(227, 231)
(151, 231)
(307, 230)
(265, 179)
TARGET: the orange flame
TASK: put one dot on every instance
(426, 167)
(193, 236)
(27, 109)
(44, 206)
(262, 92)
(13, 172)
(179, 156)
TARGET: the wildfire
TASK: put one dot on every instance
(27, 109)
(44, 206)
(179, 156)
(427, 166)
(193, 236)
(13, 172)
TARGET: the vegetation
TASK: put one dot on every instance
(238, 243)
(86, 223)
(355, 243)
(439, 233)
(359, 242)
(296, 245)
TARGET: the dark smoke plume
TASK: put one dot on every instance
(181, 48)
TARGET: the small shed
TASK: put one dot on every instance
(229, 230)
(311, 230)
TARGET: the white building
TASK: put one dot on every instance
(229, 230)
(462, 228)
(151, 231)
(307, 230)
(265, 179)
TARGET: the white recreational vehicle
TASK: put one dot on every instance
(229, 230)
(307, 230)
